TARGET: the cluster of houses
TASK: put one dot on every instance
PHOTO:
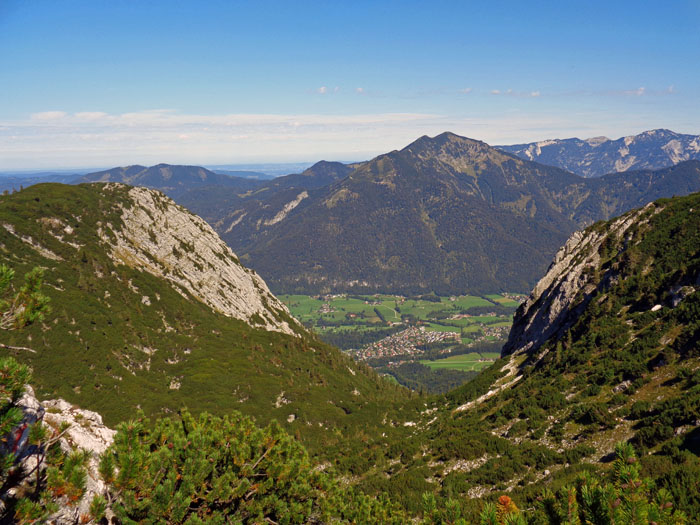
(404, 343)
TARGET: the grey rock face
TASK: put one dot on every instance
(566, 288)
(85, 432)
(165, 240)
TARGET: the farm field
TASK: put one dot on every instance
(426, 343)
(472, 362)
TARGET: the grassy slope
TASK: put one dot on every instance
(103, 349)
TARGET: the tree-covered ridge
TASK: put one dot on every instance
(445, 214)
(104, 342)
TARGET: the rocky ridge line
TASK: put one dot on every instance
(564, 291)
(167, 241)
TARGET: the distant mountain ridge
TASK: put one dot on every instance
(397, 223)
(446, 214)
(214, 203)
(654, 149)
(173, 180)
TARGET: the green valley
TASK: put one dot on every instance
(409, 338)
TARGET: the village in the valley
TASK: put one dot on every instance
(440, 324)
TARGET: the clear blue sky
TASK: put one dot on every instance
(102, 83)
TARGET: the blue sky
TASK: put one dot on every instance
(103, 83)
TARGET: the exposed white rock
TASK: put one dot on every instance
(625, 162)
(281, 400)
(512, 376)
(165, 240)
(236, 222)
(675, 151)
(597, 156)
(282, 214)
(463, 465)
(85, 432)
(43, 251)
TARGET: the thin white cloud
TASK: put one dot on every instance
(360, 91)
(48, 115)
(516, 94)
(90, 115)
(322, 90)
(465, 91)
(636, 92)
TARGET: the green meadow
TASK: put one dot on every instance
(472, 362)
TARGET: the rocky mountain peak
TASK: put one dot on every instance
(447, 143)
(594, 157)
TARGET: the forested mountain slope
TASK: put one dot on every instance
(606, 350)
(445, 214)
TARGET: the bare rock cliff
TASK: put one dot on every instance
(159, 237)
(562, 294)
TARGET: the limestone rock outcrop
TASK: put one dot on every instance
(164, 239)
(75, 429)
(562, 294)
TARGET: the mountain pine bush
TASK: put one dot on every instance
(225, 470)
(626, 499)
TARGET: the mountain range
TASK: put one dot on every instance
(446, 214)
(654, 149)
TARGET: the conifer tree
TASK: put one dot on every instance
(26, 306)
(626, 499)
